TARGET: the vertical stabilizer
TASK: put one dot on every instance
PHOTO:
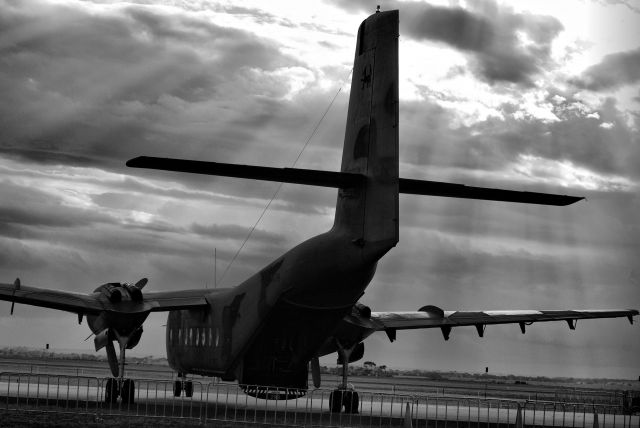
(370, 213)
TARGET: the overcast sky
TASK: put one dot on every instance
(529, 95)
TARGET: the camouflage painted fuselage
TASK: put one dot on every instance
(267, 329)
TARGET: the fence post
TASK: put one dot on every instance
(408, 423)
(519, 417)
(596, 424)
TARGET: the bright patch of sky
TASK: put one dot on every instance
(534, 105)
(566, 174)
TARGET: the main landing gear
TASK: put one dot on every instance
(344, 396)
(118, 386)
(123, 388)
(182, 385)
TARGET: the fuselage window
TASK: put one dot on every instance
(202, 337)
(171, 336)
(190, 337)
(210, 338)
(179, 336)
(197, 338)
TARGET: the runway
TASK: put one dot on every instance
(226, 402)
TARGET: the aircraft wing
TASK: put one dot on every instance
(99, 301)
(434, 317)
(53, 299)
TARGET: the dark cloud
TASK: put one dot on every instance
(457, 27)
(491, 144)
(23, 206)
(99, 88)
(487, 33)
(614, 71)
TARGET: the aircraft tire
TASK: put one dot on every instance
(177, 388)
(111, 391)
(128, 392)
(188, 389)
(351, 402)
(335, 401)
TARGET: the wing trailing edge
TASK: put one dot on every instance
(283, 175)
(347, 180)
(452, 190)
(434, 317)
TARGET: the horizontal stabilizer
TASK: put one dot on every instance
(345, 180)
(451, 190)
(284, 175)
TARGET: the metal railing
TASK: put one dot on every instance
(214, 401)
(366, 383)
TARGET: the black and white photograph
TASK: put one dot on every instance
(329, 213)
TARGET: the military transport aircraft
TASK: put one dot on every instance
(266, 332)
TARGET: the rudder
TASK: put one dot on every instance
(370, 213)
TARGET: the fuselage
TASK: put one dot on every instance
(279, 317)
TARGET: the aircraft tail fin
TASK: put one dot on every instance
(370, 212)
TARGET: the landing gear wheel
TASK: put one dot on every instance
(188, 389)
(111, 391)
(128, 392)
(335, 401)
(351, 402)
(177, 388)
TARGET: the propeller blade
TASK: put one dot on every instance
(113, 359)
(16, 286)
(140, 284)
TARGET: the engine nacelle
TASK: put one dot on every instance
(134, 292)
(364, 311)
(111, 291)
(117, 292)
(433, 311)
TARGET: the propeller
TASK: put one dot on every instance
(121, 320)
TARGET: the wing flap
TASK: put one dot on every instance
(175, 300)
(420, 319)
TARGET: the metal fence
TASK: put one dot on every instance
(210, 402)
(402, 386)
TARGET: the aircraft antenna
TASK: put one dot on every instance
(315, 129)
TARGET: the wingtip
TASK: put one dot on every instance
(131, 162)
(570, 200)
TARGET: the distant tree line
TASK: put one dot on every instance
(23, 352)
